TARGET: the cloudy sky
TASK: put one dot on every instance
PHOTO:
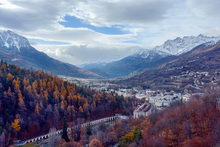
(87, 31)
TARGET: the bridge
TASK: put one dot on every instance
(91, 123)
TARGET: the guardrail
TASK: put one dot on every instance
(91, 123)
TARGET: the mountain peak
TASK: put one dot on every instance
(177, 38)
(16, 49)
(150, 54)
(200, 35)
(13, 41)
(185, 44)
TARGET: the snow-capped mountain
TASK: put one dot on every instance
(152, 58)
(185, 44)
(17, 50)
(10, 40)
(150, 54)
(194, 70)
(143, 60)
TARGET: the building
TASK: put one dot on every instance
(158, 101)
(163, 100)
(140, 96)
(186, 97)
(144, 110)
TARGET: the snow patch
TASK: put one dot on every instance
(176, 47)
(12, 40)
(15, 59)
(185, 44)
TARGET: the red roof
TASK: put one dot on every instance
(135, 107)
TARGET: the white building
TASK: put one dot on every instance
(161, 100)
(140, 96)
(186, 97)
(143, 110)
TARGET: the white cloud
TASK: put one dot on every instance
(121, 12)
(37, 14)
(82, 36)
(149, 23)
(32, 15)
(86, 54)
(205, 8)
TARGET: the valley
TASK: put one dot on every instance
(109, 73)
(132, 93)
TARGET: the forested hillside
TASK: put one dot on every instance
(191, 124)
(32, 102)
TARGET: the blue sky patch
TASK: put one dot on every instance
(73, 22)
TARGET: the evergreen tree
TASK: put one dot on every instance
(89, 131)
(65, 135)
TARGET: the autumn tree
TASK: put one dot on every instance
(39, 100)
(95, 143)
(21, 103)
(10, 77)
(15, 125)
(54, 139)
(71, 144)
(111, 138)
(37, 109)
(83, 136)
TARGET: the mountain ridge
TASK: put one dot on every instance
(179, 45)
(151, 58)
(17, 50)
(129, 64)
(193, 70)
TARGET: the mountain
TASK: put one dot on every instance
(185, 44)
(93, 65)
(139, 61)
(17, 50)
(150, 58)
(194, 70)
